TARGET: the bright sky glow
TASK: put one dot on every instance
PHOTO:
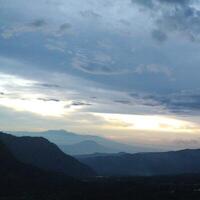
(42, 108)
(149, 123)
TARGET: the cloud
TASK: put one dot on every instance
(125, 102)
(63, 29)
(158, 35)
(56, 45)
(34, 26)
(174, 17)
(38, 25)
(154, 69)
(80, 103)
(95, 63)
(103, 64)
(90, 14)
(156, 3)
(49, 99)
(125, 22)
(186, 102)
(48, 85)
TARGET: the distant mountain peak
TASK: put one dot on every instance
(59, 131)
(89, 142)
(86, 147)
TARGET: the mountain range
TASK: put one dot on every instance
(144, 164)
(72, 143)
(23, 181)
(41, 153)
(121, 176)
(85, 147)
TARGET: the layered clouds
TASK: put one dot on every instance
(102, 67)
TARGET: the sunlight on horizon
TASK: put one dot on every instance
(51, 108)
(148, 123)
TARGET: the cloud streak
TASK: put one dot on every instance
(182, 103)
(36, 26)
(154, 69)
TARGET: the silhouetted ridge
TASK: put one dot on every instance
(23, 181)
(145, 164)
(39, 152)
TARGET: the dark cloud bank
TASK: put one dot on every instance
(173, 16)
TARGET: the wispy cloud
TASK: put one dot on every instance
(154, 69)
(95, 63)
(36, 26)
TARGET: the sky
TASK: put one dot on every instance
(126, 70)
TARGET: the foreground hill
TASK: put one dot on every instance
(41, 153)
(144, 164)
(18, 180)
